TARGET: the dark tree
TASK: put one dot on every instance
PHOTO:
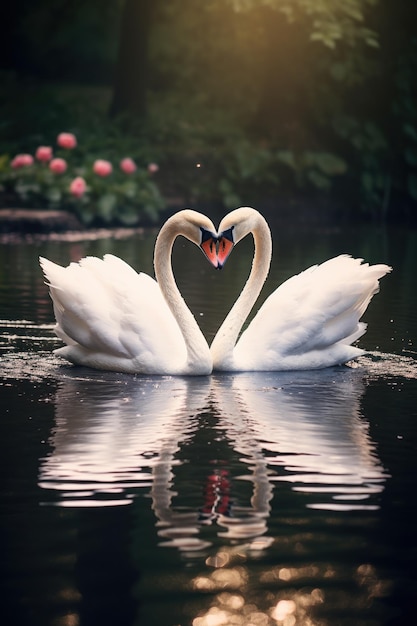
(13, 46)
(131, 73)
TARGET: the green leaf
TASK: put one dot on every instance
(54, 194)
(129, 216)
(288, 158)
(4, 162)
(85, 214)
(318, 180)
(330, 164)
(106, 206)
(130, 189)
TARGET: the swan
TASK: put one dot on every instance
(308, 322)
(112, 318)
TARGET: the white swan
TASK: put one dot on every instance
(112, 318)
(309, 322)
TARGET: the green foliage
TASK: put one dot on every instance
(370, 154)
(331, 21)
(118, 198)
(306, 96)
(247, 100)
(217, 162)
(258, 170)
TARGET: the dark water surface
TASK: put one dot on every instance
(250, 499)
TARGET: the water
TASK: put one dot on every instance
(249, 499)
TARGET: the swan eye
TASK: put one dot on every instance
(225, 247)
(228, 234)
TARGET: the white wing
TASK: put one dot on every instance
(111, 317)
(311, 320)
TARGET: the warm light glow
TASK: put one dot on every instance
(368, 577)
(283, 609)
(231, 600)
(285, 573)
(218, 560)
(214, 617)
(231, 608)
(72, 619)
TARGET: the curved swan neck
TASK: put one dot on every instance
(226, 337)
(198, 355)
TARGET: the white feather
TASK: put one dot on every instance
(308, 322)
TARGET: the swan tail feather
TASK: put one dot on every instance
(335, 319)
(312, 319)
(82, 308)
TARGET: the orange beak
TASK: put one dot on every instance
(208, 246)
(225, 248)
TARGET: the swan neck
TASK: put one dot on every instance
(198, 355)
(227, 335)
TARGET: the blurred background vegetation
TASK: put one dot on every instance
(283, 104)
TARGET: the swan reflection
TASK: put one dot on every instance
(212, 451)
(308, 429)
(110, 433)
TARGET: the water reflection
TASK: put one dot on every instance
(242, 476)
(111, 432)
(309, 431)
(249, 433)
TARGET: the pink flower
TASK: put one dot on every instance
(102, 168)
(153, 168)
(58, 166)
(78, 187)
(44, 153)
(21, 160)
(128, 166)
(67, 141)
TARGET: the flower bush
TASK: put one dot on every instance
(78, 187)
(91, 187)
(102, 168)
(21, 160)
(128, 166)
(44, 154)
(67, 141)
(58, 166)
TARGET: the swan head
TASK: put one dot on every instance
(234, 227)
(199, 229)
